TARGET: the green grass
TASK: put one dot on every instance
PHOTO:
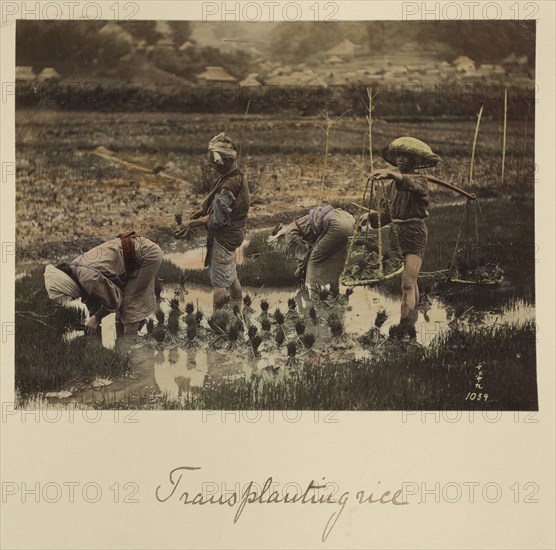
(506, 230)
(435, 378)
(43, 360)
(263, 265)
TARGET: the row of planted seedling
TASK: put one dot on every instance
(236, 328)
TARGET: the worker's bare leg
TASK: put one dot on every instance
(410, 291)
(236, 295)
(219, 298)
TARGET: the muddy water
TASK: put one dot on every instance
(195, 258)
(173, 371)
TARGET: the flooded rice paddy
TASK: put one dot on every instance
(173, 369)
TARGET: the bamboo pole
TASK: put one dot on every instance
(474, 145)
(370, 123)
(326, 131)
(243, 127)
(442, 183)
(505, 134)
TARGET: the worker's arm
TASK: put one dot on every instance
(403, 182)
(412, 184)
(219, 216)
(93, 322)
(221, 211)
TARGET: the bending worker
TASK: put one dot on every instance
(319, 242)
(115, 276)
(224, 214)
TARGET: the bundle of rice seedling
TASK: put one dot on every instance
(190, 320)
(159, 333)
(308, 339)
(313, 314)
(264, 306)
(280, 337)
(279, 316)
(335, 324)
(299, 327)
(292, 348)
(255, 343)
(191, 332)
(233, 331)
(380, 318)
(174, 321)
(160, 317)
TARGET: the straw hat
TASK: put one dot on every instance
(413, 146)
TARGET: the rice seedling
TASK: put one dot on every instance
(313, 315)
(380, 318)
(308, 339)
(150, 326)
(175, 304)
(256, 341)
(159, 333)
(300, 327)
(402, 330)
(349, 291)
(174, 321)
(292, 348)
(191, 320)
(199, 316)
(280, 337)
(252, 331)
(323, 293)
(191, 332)
(335, 324)
(219, 321)
(247, 300)
(233, 331)
(189, 308)
(266, 324)
(160, 317)
(292, 305)
(169, 272)
(279, 317)
(264, 306)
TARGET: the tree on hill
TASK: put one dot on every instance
(180, 31)
(142, 30)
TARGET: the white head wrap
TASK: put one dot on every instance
(60, 285)
(222, 146)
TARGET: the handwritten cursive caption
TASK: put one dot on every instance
(269, 493)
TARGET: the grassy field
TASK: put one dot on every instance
(44, 360)
(441, 377)
(68, 200)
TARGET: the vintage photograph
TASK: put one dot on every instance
(287, 215)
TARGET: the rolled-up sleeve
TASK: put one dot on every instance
(221, 212)
(413, 185)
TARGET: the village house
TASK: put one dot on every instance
(464, 64)
(215, 73)
(346, 49)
